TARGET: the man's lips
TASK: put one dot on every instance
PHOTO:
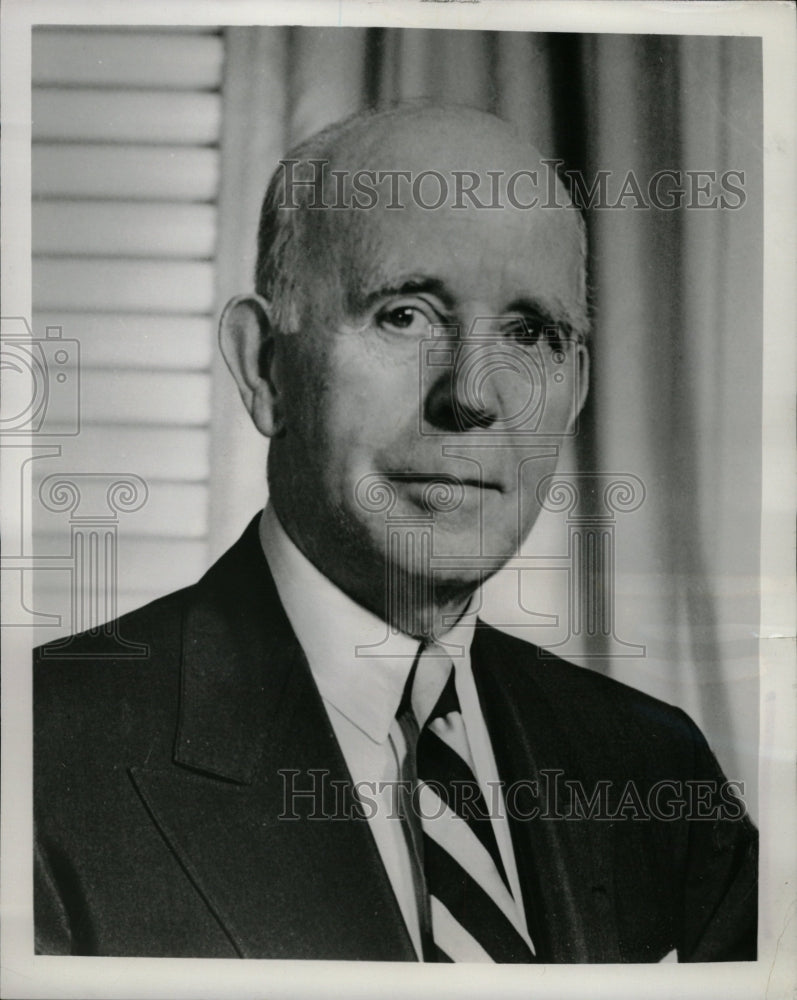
(446, 478)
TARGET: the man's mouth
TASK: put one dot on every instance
(444, 493)
(444, 479)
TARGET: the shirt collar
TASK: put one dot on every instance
(359, 664)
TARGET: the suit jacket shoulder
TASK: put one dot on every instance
(604, 717)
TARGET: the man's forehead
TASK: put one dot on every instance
(468, 254)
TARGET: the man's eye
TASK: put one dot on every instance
(521, 329)
(404, 318)
(531, 330)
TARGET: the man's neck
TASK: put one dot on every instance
(422, 607)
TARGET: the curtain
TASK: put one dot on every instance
(671, 435)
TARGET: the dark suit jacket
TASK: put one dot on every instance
(160, 800)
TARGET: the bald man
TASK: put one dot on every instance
(325, 753)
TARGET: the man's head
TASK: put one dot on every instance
(415, 347)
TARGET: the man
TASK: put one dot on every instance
(324, 753)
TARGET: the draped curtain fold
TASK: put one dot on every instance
(676, 353)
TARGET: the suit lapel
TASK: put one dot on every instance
(253, 735)
(563, 864)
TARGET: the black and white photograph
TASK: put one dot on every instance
(398, 499)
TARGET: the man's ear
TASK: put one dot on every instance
(246, 338)
(582, 374)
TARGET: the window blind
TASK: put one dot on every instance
(125, 163)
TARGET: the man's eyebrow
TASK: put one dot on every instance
(532, 307)
(411, 285)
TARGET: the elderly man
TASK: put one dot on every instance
(325, 754)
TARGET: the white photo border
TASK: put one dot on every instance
(773, 975)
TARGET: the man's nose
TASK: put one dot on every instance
(454, 403)
(486, 383)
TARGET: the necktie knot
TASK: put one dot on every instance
(432, 686)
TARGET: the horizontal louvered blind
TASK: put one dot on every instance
(126, 132)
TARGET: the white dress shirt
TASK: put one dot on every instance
(360, 667)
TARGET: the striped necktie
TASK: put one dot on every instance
(474, 917)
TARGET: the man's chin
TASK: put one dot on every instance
(452, 549)
(456, 560)
(491, 547)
